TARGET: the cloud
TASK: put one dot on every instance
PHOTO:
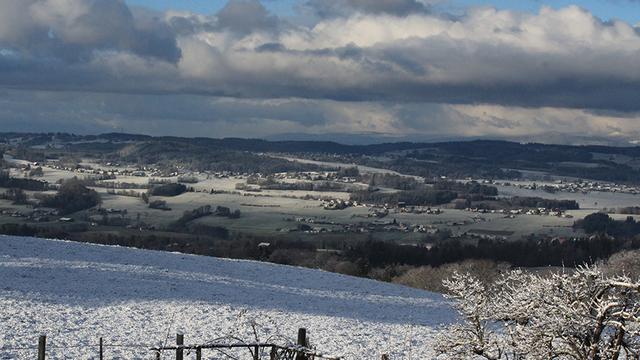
(70, 30)
(187, 115)
(379, 67)
(246, 16)
(487, 56)
(335, 8)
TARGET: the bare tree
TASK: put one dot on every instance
(583, 315)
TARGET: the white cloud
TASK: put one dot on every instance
(370, 69)
(556, 58)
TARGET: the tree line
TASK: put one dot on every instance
(528, 252)
(7, 181)
(421, 197)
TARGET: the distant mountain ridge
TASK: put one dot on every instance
(324, 146)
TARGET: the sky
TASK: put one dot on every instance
(627, 10)
(352, 70)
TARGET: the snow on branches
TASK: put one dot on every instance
(583, 315)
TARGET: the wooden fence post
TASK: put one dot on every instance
(179, 349)
(274, 353)
(385, 357)
(302, 337)
(42, 345)
(101, 351)
(158, 355)
(256, 352)
(198, 353)
(302, 342)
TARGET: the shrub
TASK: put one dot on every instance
(432, 278)
(624, 263)
(348, 268)
(159, 205)
(36, 172)
(172, 189)
(226, 212)
(190, 215)
(222, 211)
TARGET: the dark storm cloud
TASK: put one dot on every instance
(187, 115)
(246, 16)
(184, 115)
(237, 17)
(332, 8)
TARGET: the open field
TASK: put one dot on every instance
(76, 293)
(304, 214)
(593, 200)
(275, 211)
(336, 164)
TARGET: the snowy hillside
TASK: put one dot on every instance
(76, 293)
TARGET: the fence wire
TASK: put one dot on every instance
(217, 348)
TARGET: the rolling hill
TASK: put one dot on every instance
(76, 293)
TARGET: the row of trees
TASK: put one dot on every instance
(630, 210)
(306, 186)
(537, 202)
(528, 252)
(423, 196)
(390, 181)
(471, 187)
(16, 196)
(7, 181)
(202, 211)
(414, 193)
(190, 215)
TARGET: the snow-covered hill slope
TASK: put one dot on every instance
(77, 292)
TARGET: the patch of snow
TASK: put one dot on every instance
(76, 292)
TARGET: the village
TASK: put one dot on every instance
(578, 186)
(515, 212)
(323, 200)
(315, 226)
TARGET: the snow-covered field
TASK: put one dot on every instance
(76, 293)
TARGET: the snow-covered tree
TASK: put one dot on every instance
(582, 315)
